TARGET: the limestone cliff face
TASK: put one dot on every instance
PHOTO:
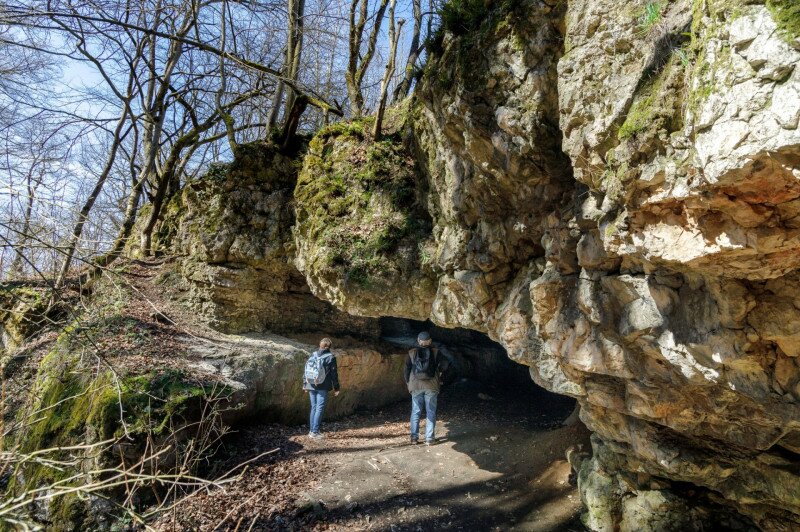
(614, 195)
(686, 347)
(232, 233)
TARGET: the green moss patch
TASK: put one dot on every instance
(357, 204)
(472, 21)
(657, 103)
(76, 403)
(27, 309)
(710, 18)
(787, 15)
(112, 374)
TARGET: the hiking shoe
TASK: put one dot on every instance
(429, 442)
(414, 442)
(318, 436)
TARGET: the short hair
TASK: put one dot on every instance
(325, 342)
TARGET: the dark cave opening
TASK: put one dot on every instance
(482, 361)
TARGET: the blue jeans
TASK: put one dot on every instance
(318, 400)
(427, 400)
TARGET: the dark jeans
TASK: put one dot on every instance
(318, 400)
(427, 400)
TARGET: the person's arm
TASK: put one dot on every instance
(334, 375)
(407, 370)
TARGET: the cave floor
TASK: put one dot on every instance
(499, 464)
(494, 467)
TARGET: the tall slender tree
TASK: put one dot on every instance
(394, 37)
(361, 53)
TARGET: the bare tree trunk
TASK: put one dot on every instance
(357, 64)
(291, 67)
(276, 107)
(83, 215)
(154, 116)
(404, 87)
(15, 270)
(394, 37)
(227, 118)
(125, 231)
(292, 121)
(163, 180)
(295, 49)
(328, 85)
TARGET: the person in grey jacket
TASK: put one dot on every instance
(423, 368)
(318, 393)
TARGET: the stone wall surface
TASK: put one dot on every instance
(232, 231)
(614, 191)
(610, 190)
(266, 372)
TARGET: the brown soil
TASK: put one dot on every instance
(498, 464)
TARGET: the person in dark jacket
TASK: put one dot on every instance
(424, 365)
(318, 393)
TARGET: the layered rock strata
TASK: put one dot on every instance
(613, 189)
(231, 230)
(265, 374)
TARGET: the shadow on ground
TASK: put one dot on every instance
(499, 464)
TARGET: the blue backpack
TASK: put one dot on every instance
(315, 371)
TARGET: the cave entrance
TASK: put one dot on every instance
(484, 369)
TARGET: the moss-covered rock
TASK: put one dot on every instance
(657, 103)
(73, 403)
(89, 413)
(787, 14)
(240, 211)
(25, 310)
(361, 222)
(232, 232)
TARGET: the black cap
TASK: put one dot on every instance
(423, 336)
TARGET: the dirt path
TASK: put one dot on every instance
(498, 465)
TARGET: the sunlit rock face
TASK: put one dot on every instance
(265, 372)
(486, 128)
(686, 347)
(232, 233)
(614, 195)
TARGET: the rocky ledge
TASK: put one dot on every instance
(610, 190)
(613, 190)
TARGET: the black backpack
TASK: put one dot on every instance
(424, 362)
